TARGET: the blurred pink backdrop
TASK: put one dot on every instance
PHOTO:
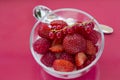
(16, 22)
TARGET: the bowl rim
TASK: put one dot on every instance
(77, 71)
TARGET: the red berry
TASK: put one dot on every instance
(53, 27)
(80, 59)
(70, 30)
(89, 60)
(51, 35)
(67, 56)
(41, 46)
(89, 30)
(48, 59)
(76, 27)
(86, 63)
(91, 57)
(81, 30)
(43, 30)
(59, 34)
(58, 22)
(63, 65)
(91, 25)
(93, 36)
(59, 27)
(56, 48)
(64, 31)
(91, 48)
(74, 43)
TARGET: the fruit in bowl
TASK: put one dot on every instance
(75, 43)
(64, 49)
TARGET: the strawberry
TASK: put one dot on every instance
(80, 59)
(56, 48)
(74, 43)
(58, 24)
(41, 46)
(48, 59)
(63, 65)
(43, 30)
(91, 48)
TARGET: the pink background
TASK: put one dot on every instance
(16, 22)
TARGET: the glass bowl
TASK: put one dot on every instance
(63, 14)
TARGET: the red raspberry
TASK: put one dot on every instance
(89, 60)
(74, 43)
(91, 57)
(67, 56)
(63, 65)
(41, 46)
(93, 36)
(48, 59)
(61, 24)
(43, 30)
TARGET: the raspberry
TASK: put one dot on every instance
(91, 57)
(61, 24)
(93, 36)
(74, 43)
(89, 60)
(43, 30)
(63, 65)
(91, 48)
(48, 59)
(41, 46)
(67, 56)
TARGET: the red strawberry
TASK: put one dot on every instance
(63, 65)
(80, 59)
(43, 30)
(41, 46)
(58, 23)
(74, 43)
(48, 59)
(56, 48)
(91, 48)
(67, 56)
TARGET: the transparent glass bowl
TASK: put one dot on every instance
(64, 14)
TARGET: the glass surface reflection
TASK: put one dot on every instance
(93, 74)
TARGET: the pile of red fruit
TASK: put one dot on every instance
(67, 48)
